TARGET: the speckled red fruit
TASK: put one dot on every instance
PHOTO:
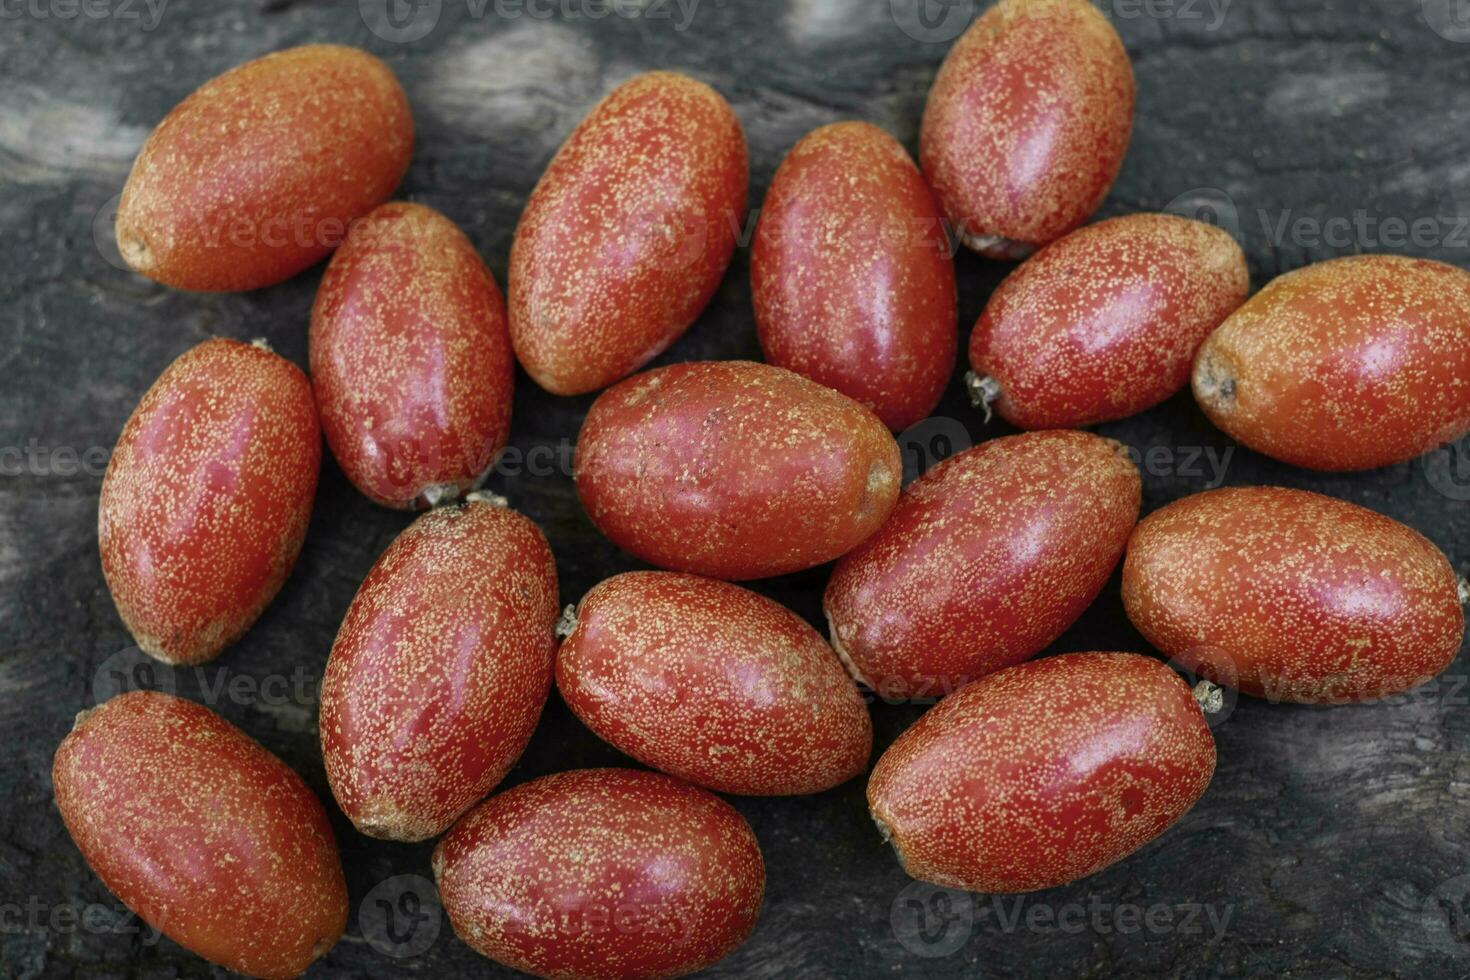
(1104, 323)
(1043, 773)
(207, 496)
(440, 670)
(987, 558)
(258, 173)
(1293, 596)
(1027, 123)
(1345, 365)
(208, 837)
(410, 358)
(714, 684)
(851, 276)
(602, 874)
(734, 470)
(627, 234)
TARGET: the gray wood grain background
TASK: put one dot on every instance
(1332, 842)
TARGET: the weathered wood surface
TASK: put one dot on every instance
(1332, 842)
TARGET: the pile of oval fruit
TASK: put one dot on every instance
(1027, 773)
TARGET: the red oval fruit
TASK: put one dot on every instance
(1104, 323)
(410, 358)
(1345, 365)
(987, 558)
(734, 470)
(258, 173)
(206, 499)
(440, 670)
(1027, 123)
(627, 234)
(714, 684)
(1043, 773)
(208, 837)
(851, 276)
(1293, 596)
(601, 874)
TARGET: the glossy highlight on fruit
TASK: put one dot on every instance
(1350, 364)
(1293, 596)
(602, 874)
(206, 499)
(1027, 123)
(987, 558)
(1043, 773)
(410, 358)
(208, 837)
(714, 684)
(1104, 323)
(851, 276)
(440, 670)
(734, 470)
(258, 173)
(627, 235)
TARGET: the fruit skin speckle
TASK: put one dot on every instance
(1027, 124)
(734, 470)
(987, 558)
(440, 670)
(410, 358)
(602, 874)
(1104, 323)
(203, 833)
(1043, 773)
(1349, 364)
(851, 276)
(627, 235)
(257, 174)
(207, 497)
(1293, 596)
(714, 684)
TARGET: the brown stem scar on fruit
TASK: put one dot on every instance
(983, 392)
(1216, 380)
(567, 622)
(1210, 696)
(437, 493)
(842, 654)
(134, 249)
(486, 497)
(995, 246)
